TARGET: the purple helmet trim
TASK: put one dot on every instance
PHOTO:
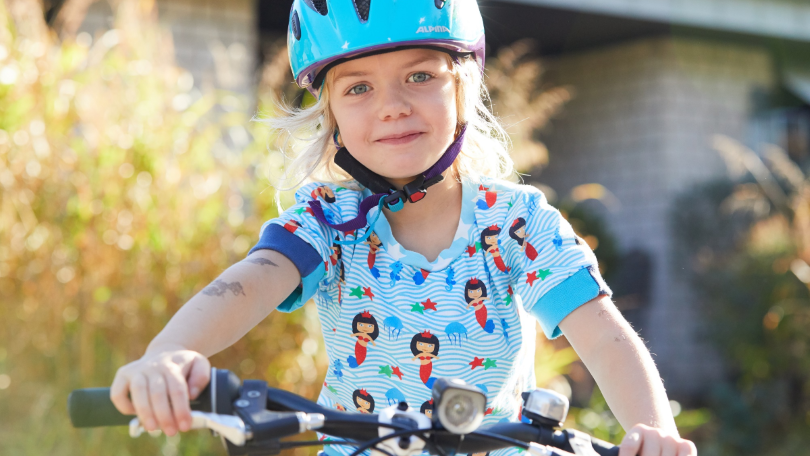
(308, 74)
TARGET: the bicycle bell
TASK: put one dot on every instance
(458, 407)
(545, 406)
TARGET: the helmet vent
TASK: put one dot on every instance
(362, 7)
(318, 5)
(295, 25)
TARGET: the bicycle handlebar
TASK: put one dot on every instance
(252, 417)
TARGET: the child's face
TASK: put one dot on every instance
(396, 111)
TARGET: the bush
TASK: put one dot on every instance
(743, 242)
(124, 191)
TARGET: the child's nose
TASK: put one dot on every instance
(393, 103)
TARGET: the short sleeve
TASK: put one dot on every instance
(556, 271)
(300, 237)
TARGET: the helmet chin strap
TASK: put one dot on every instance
(385, 194)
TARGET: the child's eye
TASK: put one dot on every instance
(359, 89)
(419, 77)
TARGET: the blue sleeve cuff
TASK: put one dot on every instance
(307, 289)
(561, 300)
(304, 256)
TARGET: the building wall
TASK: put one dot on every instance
(779, 18)
(215, 41)
(641, 124)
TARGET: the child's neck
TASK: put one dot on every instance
(429, 226)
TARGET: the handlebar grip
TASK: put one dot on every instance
(92, 407)
(604, 448)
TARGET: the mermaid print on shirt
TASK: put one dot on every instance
(489, 200)
(425, 347)
(363, 401)
(420, 276)
(519, 234)
(325, 192)
(463, 291)
(365, 329)
(336, 258)
(475, 293)
(292, 225)
(489, 244)
(374, 245)
(427, 408)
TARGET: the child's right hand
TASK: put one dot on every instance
(157, 388)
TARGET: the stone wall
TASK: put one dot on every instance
(641, 124)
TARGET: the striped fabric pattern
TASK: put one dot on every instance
(393, 322)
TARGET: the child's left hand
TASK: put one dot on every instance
(649, 441)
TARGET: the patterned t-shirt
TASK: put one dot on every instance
(393, 322)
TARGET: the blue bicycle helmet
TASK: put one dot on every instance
(324, 32)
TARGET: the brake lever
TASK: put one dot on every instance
(231, 427)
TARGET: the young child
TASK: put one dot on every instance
(408, 167)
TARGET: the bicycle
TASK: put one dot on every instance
(251, 418)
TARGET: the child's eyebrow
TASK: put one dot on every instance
(349, 75)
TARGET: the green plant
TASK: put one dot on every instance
(745, 245)
(123, 191)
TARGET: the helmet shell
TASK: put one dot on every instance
(314, 40)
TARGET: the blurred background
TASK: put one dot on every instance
(674, 135)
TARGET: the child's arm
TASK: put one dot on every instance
(214, 319)
(175, 366)
(626, 374)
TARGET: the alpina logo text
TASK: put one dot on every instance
(430, 29)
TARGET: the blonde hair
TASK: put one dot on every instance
(307, 134)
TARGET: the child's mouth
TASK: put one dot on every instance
(405, 139)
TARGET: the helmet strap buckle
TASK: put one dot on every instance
(395, 201)
(414, 190)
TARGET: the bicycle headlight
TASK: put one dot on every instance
(545, 406)
(458, 407)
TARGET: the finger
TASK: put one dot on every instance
(669, 445)
(119, 394)
(199, 376)
(631, 444)
(178, 394)
(650, 443)
(159, 398)
(686, 448)
(139, 392)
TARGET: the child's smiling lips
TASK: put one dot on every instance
(400, 138)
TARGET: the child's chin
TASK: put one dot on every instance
(405, 171)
